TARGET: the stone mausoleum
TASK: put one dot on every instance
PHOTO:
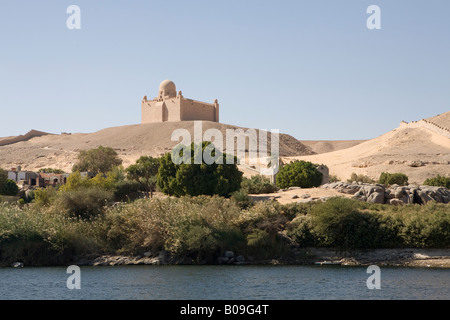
(170, 105)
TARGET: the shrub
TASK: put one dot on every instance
(113, 181)
(126, 189)
(44, 238)
(198, 179)
(197, 227)
(438, 181)
(242, 199)
(84, 203)
(341, 222)
(9, 188)
(427, 226)
(360, 178)
(45, 197)
(393, 178)
(301, 231)
(257, 185)
(299, 174)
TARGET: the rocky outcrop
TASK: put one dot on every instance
(395, 195)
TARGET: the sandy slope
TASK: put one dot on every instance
(394, 151)
(442, 120)
(324, 146)
(130, 142)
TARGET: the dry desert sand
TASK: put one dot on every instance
(416, 150)
(60, 151)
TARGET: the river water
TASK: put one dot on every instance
(223, 283)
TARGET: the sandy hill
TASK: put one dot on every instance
(418, 152)
(324, 146)
(442, 120)
(30, 135)
(130, 142)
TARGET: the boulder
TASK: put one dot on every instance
(424, 197)
(399, 193)
(376, 197)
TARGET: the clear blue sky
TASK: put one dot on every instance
(309, 68)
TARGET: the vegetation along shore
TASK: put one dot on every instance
(156, 212)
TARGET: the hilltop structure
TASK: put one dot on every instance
(170, 106)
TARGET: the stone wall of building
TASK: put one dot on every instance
(172, 107)
(196, 110)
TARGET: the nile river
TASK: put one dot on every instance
(224, 283)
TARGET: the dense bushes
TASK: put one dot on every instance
(188, 178)
(343, 223)
(438, 181)
(44, 237)
(202, 228)
(347, 224)
(299, 174)
(85, 203)
(389, 179)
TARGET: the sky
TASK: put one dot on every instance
(312, 69)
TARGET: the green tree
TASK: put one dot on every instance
(299, 174)
(193, 179)
(145, 172)
(99, 160)
(9, 188)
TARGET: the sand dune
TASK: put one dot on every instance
(420, 153)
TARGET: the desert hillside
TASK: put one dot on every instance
(324, 146)
(130, 142)
(442, 120)
(416, 149)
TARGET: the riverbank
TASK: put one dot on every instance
(198, 230)
(404, 257)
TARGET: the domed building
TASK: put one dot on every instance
(172, 106)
